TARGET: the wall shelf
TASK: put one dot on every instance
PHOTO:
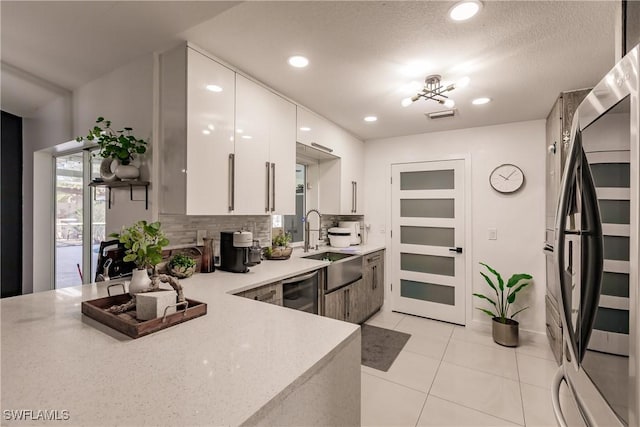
(130, 184)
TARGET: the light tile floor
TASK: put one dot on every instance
(448, 375)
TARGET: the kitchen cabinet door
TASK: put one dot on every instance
(316, 132)
(282, 155)
(334, 304)
(352, 175)
(356, 302)
(252, 168)
(197, 98)
(373, 277)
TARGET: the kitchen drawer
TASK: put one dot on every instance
(554, 328)
(372, 258)
(271, 294)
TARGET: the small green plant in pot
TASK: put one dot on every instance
(182, 266)
(504, 327)
(143, 244)
(280, 248)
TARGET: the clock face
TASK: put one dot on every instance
(506, 178)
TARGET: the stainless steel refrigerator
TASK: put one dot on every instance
(596, 249)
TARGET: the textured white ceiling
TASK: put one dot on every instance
(520, 53)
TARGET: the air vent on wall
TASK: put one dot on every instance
(441, 114)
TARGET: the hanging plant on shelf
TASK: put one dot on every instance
(120, 146)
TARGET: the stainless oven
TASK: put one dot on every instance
(301, 292)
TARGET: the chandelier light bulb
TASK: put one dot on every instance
(449, 103)
(406, 102)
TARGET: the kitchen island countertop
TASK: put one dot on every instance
(240, 359)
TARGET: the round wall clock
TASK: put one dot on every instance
(506, 178)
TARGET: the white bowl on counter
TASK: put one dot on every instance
(339, 237)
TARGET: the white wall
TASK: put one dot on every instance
(124, 96)
(519, 218)
(49, 126)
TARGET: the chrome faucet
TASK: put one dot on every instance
(307, 230)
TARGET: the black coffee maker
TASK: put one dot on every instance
(234, 251)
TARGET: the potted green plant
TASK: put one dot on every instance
(121, 146)
(504, 327)
(143, 244)
(280, 248)
(182, 266)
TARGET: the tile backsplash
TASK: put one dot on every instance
(181, 230)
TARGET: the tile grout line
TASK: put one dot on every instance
(434, 378)
(524, 416)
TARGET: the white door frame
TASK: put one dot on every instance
(468, 220)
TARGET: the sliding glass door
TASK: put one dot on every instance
(79, 218)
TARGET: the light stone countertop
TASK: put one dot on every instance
(218, 369)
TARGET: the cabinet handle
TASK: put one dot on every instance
(375, 276)
(347, 303)
(266, 202)
(322, 147)
(265, 297)
(355, 197)
(232, 183)
(273, 186)
(353, 194)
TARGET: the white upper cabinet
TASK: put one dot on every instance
(282, 153)
(317, 132)
(352, 175)
(197, 101)
(265, 151)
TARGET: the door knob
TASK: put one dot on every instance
(458, 250)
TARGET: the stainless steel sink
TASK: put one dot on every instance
(343, 270)
(328, 256)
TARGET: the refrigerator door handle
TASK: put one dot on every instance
(555, 397)
(564, 209)
(592, 257)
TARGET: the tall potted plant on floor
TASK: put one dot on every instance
(143, 244)
(504, 327)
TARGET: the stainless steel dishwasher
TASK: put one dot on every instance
(301, 292)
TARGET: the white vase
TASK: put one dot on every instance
(107, 170)
(127, 172)
(140, 282)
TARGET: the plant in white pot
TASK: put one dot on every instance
(143, 244)
(119, 146)
(504, 327)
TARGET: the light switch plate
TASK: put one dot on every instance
(200, 235)
(493, 234)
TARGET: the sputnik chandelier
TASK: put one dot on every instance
(433, 90)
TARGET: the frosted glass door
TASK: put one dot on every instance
(427, 240)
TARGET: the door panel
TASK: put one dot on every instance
(427, 225)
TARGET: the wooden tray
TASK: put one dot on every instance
(128, 324)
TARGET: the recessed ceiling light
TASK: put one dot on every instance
(481, 101)
(305, 129)
(298, 61)
(214, 88)
(239, 130)
(370, 119)
(206, 132)
(211, 127)
(247, 137)
(464, 10)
